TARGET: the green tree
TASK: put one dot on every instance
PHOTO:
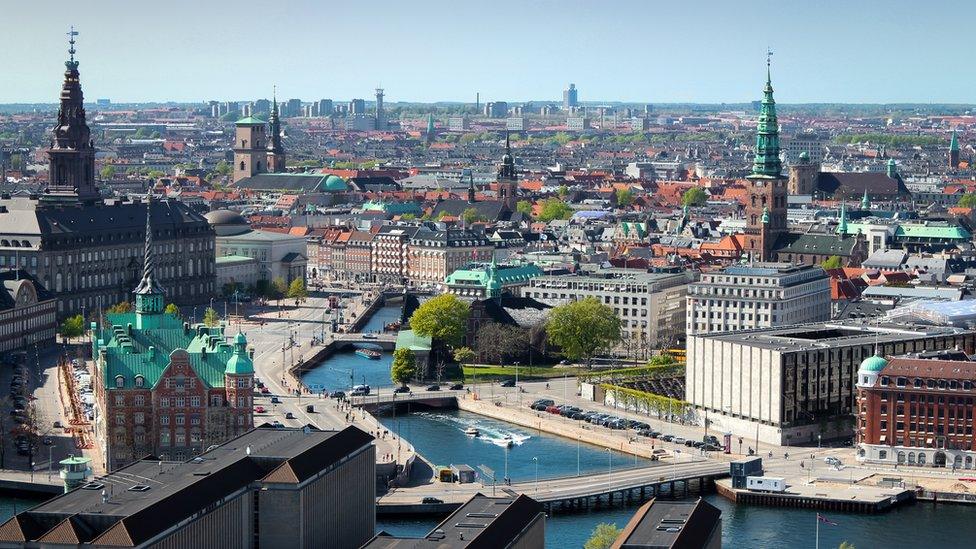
(694, 196)
(408, 217)
(846, 545)
(463, 355)
(210, 317)
(73, 326)
(223, 168)
(443, 318)
(625, 197)
(563, 191)
(524, 207)
(120, 307)
(583, 329)
(832, 262)
(663, 359)
(968, 200)
(277, 289)
(107, 171)
(172, 309)
(404, 366)
(471, 215)
(297, 291)
(603, 536)
(554, 208)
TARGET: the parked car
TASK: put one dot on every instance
(456, 386)
(831, 460)
(369, 336)
(275, 400)
(337, 394)
(431, 500)
(259, 410)
(402, 389)
(678, 440)
(508, 383)
(434, 388)
(309, 408)
(265, 391)
(289, 415)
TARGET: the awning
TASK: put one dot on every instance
(883, 438)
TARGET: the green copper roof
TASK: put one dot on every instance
(334, 183)
(873, 364)
(637, 228)
(503, 276)
(842, 226)
(127, 354)
(239, 363)
(250, 121)
(954, 142)
(765, 216)
(939, 232)
(410, 340)
(766, 164)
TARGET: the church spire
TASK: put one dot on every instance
(71, 158)
(842, 226)
(767, 164)
(276, 151)
(507, 169)
(865, 203)
(149, 285)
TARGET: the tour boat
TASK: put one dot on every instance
(507, 440)
(369, 353)
(472, 431)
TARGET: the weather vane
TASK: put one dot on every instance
(71, 41)
(769, 56)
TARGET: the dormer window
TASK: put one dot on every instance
(140, 381)
(119, 382)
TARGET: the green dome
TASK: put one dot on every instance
(335, 183)
(873, 364)
(239, 339)
(804, 157)
(239, 364)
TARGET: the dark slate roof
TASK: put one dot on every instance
(492, 210)
(853, 184)
(13, 280)
(294, 183)
(384, 183)
(514, 311)
(820, 244)
(452, 238)
(695, 522)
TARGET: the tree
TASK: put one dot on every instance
(524, 207)
(499, 342)
(603, 536)
(172, 309)
(563, 191)
(404, 366)
(471, 215)
(625, 197)
(694, 196)
(463, 355)
(210, 317)
(583, 329)
(107, 171)
(277, 289)
(223, 168)
(120, 307)
(443, 318)
(297, 291)
(663, 359)
(832, 262)
(73, 326)
(554, 208)
(846, 545)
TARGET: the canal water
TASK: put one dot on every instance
(439, 436)
(344, 369)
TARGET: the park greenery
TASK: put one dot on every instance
(602, 536)
(694, 196)
(967, 200)
(404, 366)
(524, 207)
(297, 291)
(210, 317)
(644, 402)
(172, 309)
(554, 208)
(625, 197)
(832, 262)
(73, 326)
(443, 318)
(583, 329)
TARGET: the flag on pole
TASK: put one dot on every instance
(825, 520)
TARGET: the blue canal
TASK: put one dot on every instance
(439, 436)
(344, 369)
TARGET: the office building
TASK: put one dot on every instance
(457, 124)
(516, 124)
(496, 109)
(482, 281)
(651, 306)
(639, 124)
(917, 409)
(293, 108)
(577, 123)
(357, 106)
(433, 254)
(28, 312)
(166, 388)
(570, 98)
(762, 295)
(814, 144)
(277, 255)
(283, 487)
(672, 525)
(790, 385)
(511, 522)
(326, 107)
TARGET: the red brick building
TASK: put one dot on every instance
(917, 410)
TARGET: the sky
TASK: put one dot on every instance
(646, 51)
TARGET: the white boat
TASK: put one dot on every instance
(472, 432)
(507, 440)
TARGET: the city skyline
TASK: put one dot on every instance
(867, 56)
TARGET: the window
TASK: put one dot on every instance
(194, 401)
(140, 381)
(164, 402)
(119, 382)
(883, 454)
(139, 400)
(180, 419)
(164, 420)
(120, 419)
(139, 418)
(120, 400)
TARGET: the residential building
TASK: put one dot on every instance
(28, 312)
(651, 306)
(359, 257)
(458, 124)
(672, 524)
(390, 257)
(813, 144)
(268, 487)
(761, 295)
(166, 388)
(577, 123)
(570, 97)
(917, 409)
(516, 124)
(514, 522)
(434, 254)
(790, 385)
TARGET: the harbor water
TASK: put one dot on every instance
(344, 369)
(440, 437)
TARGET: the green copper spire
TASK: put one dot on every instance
(954, 143)
(765, 216)
(865, 203)
(275, 123)
(842, 226)
(430, 127)
(767, 164)
(892, 169)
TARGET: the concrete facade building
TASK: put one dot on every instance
(570, 97)
(789, 385)
(577, 123)
(279, 255)
(762, 295)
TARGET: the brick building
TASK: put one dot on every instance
(917, 409)
(166, 388)
(434, 254)
(359, 256)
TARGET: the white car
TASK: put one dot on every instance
(831, 460)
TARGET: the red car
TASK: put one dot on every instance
(552, 410)
(265, 391)
(259, 409)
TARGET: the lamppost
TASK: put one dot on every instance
(577, 455)
(818, 441)
(506, 465)
(536, 460)
(610, 470)
(518, 390)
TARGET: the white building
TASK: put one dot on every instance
(762, 295)
(279, 255)
(650, 305)
(577, 123)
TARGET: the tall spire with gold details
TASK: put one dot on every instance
(149, 293)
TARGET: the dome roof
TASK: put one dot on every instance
(335, 183)
(239, 339)
(804, 156)
(225, 217)
(873, 364)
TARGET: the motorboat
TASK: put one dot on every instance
(369, 353)
(472, 432)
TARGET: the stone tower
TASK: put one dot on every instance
(803, 175)
(507, 178)
(250, 152)
(276, 151)
(766, 206)
(71, 158)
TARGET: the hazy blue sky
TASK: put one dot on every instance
(630, 50)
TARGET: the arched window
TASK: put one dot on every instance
(969, 462)
(901, 457)
(911, 458)
(140, 381)
(921, 458)
(243, 143)
(242, 164)
(119, 382)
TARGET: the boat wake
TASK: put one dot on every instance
(488, 432)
